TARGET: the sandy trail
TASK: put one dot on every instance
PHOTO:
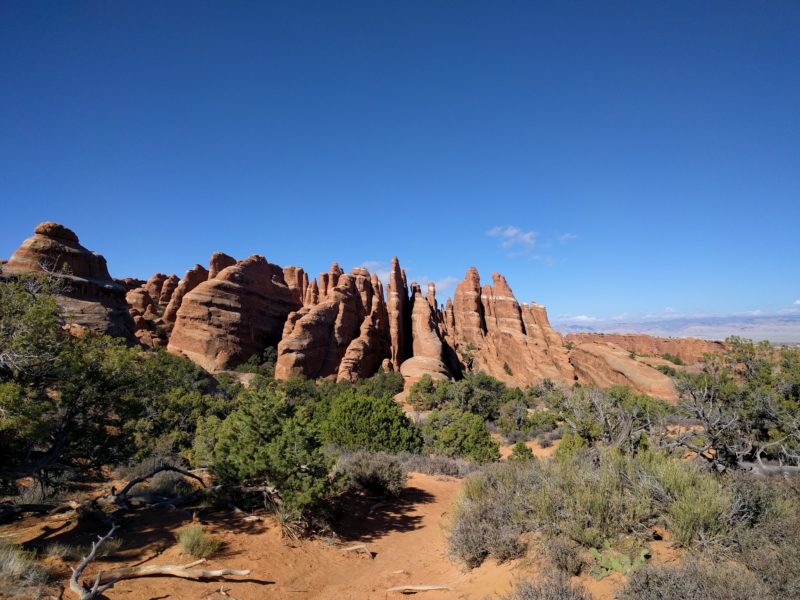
(407, 538)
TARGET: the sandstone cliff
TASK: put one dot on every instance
(237, 313)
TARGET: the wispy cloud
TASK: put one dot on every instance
(381, 268)
(511, 236)
(442, 285)
(577, 319)
(567, 237)
(797, 302)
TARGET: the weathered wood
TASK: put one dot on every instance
(414, 589)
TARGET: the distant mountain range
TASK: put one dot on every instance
(778, 329)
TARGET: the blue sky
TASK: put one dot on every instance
(609, 158)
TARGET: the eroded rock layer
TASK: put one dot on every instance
(689, 350)
(342, 332)
(490, 331)
(91, 299)
(227, 319)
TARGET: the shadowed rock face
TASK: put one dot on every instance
(92, 300)
(227, 319)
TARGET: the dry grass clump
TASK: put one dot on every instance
(196, 542)
(374, 472)
(20, 574)
(549, 588)
(437, 465)
(76, 552)
(564, 555)
(695, 581)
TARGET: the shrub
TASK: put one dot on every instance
(521, 453)
(422, 394)
(667, 370)
(360, 422)
(544, 441)
(549, 588)
(437, 465)
(675, 360)
(693, 581)
(452, 432)
(267, 440)
(378, 472)
(196, 542)
(507, 369)
(571, 446)
(70, 552)
(19, 571)
(564, 555)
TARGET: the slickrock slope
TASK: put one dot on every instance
(689, 350)
(605, 364)
(92, 299)
(342, 331)
(236, 314)
(490, 331)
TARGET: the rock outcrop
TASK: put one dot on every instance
(490, 331)
(91, 299)
(604, 364)
(689, 350)
(397, 307)
(218, 262)
(428, 354)
(345, 334)
(190, 280)
(234, 315)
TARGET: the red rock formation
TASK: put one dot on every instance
(365, 353)
(297, 281)
(427, 347)
(218, 262)
(154, 285)
(167, 289)
(689, 350)
(344, 335)
(604, 364)
(227, 319)
(191, 279)
(91, 300)
(491, 332)
(397, 305)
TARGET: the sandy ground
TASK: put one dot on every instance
(406, 538)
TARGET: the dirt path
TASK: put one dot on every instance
(406, 537)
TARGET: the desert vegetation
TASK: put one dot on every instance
(714, 474)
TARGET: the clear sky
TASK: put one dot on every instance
(607, 157)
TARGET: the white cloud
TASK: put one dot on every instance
(577, 319)
(567, 237)
(511, 236)
(797, 302)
